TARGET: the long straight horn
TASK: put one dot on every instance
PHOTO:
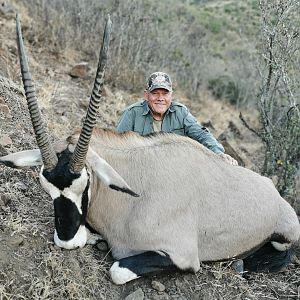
(48, 155)
(78, 159)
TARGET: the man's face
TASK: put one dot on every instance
(159, 100)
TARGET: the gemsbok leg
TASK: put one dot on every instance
(147, 263)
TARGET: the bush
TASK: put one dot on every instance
(179, 37)
(225, 87)
(278, 102)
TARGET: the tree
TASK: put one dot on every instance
(278, 100)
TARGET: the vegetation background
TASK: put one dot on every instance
(202, 43)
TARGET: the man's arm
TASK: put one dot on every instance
(196, 131)
(126, 122)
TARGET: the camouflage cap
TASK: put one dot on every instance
(159, 80)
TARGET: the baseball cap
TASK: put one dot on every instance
(159, 80)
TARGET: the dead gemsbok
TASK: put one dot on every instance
(192, 206)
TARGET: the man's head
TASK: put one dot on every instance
(159, 94)
(159, 80)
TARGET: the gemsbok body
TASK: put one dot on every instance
(162, 202)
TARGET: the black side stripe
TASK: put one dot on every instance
(124, 190)
(85, 202)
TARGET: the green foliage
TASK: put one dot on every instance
(225, 87)
(210, 21)
(183, 38)
(230, 8)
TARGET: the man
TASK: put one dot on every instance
(159, 113)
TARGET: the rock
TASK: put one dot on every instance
(21, 186)
(106, 92)
(275, 179)
(136, 295)
(238, 266)
(4, 109)
(4, 199)
(7, 10)
(16, 241)
(161, 296)
(84, 103)
(5, 209)
(158, 286)
(13, 50)
(5, 140)
(80, 70)
(102, 246)
(3, 151)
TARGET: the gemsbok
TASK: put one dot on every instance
(162, 202)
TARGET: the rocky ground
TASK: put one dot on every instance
(31, 267)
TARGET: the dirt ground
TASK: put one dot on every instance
(31, 266)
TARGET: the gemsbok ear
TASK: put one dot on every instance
(22, 159)
(107, 174)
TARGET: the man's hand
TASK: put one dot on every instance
(228, 159)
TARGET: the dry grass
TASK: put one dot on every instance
(33, 268)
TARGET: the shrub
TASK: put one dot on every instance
(225, 87)
(180, 37)
(278, 102)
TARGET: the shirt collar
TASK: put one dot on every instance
(147, 109)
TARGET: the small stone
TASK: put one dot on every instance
(275, 179)
(13, 49)
(5, 140)
(7, 9)
(136, 295)
(16, 241)
(106, 92)
(21, 186)
(5, 209)
(80, 70)
(102, 246)
(4, 199)
(84, 103)
(238, 266)
(5, 110)
(161, 296)
(158, 286)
